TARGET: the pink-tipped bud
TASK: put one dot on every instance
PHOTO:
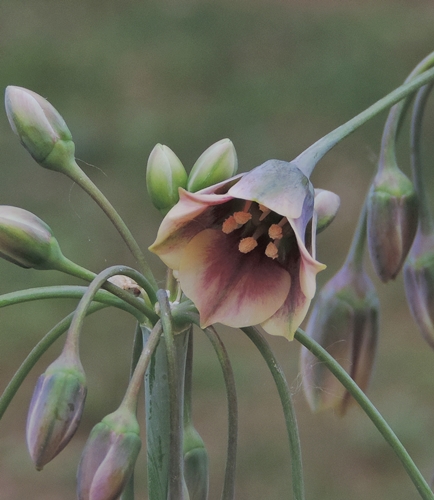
(392, 221)
(345, 322)
(26, 240)
(109, 457)
(419, 284)
(55, 409)
(41, 129)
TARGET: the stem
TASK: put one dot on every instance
(40, 348)
(176, 459)
(370, 410)
(65, 292)
(188, 381)
(355, 253)
(307, 160)
(288, 409)
(425, 220)
(231, 460)
(75, 173)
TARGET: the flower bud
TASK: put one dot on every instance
(419, 284)
(344, 321)
(26, 240)
(55, 409)
(109, 457)
(165, 174)
(326, 206)
(196, 468)
(217, 163)
(392, 221)
(41, 129)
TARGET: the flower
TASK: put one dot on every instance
(244, 249)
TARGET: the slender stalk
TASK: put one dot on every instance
(75, 173)
(426, 225)
(40, 348)
(65, 292)
(413, 472)
(355, 253)
(308, 159)
(231, 460)
(288, 409)
(176, 459)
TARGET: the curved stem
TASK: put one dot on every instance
(176, 459)
(355, 253)
(65, 292)
(77, 175)
(34, 355)
(370, 410)
(288, 409)
(307, 160)
(231, 460)
(425, 219)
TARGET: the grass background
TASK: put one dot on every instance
(273, 76)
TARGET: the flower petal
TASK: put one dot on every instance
(278, 185)
(228, 286)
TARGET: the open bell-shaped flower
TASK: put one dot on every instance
(244, 249)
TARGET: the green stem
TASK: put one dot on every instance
(188, 381)
(355, 253)
(65, 292)
(176, 459)
(231, 460)
(40, 348)
(75, 173)
(425, 219)
(307, 160)
(370, 410)
(288, 409)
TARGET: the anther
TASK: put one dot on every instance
(275, 232)
(242, 217)
(246, 245)
(229, 225)
(272, 251)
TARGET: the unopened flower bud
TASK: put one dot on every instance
(165, 174)
(196, 468)
(326, 206)
(392, 221)
(419, 284)
(41, 129)
(344, 321)
(217, 163)
(26, 240)
(55, 409)
(109, 457)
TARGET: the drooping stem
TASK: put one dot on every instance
(355, 253)
(426, 225)
(370, 410)
(288, 409)
(40, 348)
(308, 159)
(75, 173)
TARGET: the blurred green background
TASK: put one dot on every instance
(273, 76)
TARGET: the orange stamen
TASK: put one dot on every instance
(272, 251)
(229, 225)
(246, 245)
(275, 232)
(242, 217)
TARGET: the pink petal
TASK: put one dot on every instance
(230, 287)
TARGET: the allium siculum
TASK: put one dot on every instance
(345, 322)
(244, 249)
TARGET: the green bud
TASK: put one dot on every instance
(165, 174)
(196, 468)
(344, 321)
(26, 240)
(55, 409)
(392, 221)
(419, 284)
(326, 206)
(217, 163)
(41, 129)
(109, 457)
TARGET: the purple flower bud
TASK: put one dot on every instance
(392, 221)
(26, 240)
(41, 129)
(344, 321)
(55, 409)
(419, 284)
(109, 457)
